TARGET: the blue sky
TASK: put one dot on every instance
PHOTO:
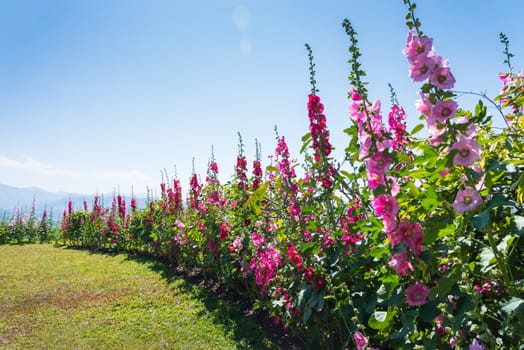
(102, 95)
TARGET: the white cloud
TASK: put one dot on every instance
(29, 164)
(241, 17)
(29, 172)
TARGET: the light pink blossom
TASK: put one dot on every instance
(423, 105)
(444, 110)
(468, 152)
(442, 78)
(466, 200)
(417, 47)
(417, 294)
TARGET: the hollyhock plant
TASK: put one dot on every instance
(417, 294)
(467, 200)
(468, 152)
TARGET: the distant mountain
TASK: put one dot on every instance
(14, 198)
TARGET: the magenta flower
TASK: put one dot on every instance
(385, 205)
(413, 236)
(360, 340)
(442, 78)
(444, 110)
(468, 152)
(416, 294)
(378, 163)
(400, 263)
(466, 200)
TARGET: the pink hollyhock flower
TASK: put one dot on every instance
(378, 163)
(435, 127)
(444, 110)
(385, 205)
(417, 47)
(466, 200)
(423, 105)
(400, 263)
(442, 78)
(360, 340)
(390, 223)
(416, 294)
(435, 141)
(413, 236)
(420, 70)
(468, 152)
(374, 179)
(476, 345)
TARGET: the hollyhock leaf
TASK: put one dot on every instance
(381, 319)
(429, 311)
(307, 313)
(496, 201)
(505, 244)
(379, 251)
(487, 257)
(481, 219)
(444, 285)
(514, 307)
(416, 129)
(519, 223)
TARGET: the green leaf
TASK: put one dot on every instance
(487, 257)
(481, 220)
(381, 319)
(514, 307)
(429, 311)
(417, 128)
(444, 285)
(307, 313)
(519, 223)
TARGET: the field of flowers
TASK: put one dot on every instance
(413, 242)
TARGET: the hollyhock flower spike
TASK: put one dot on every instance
(466, 200)
(468, 152)
(417, 294)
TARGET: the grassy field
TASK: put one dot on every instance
(58, 298)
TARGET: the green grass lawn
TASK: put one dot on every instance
(58, 298)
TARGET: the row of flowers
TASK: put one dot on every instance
(412, 242)
(27, 227)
